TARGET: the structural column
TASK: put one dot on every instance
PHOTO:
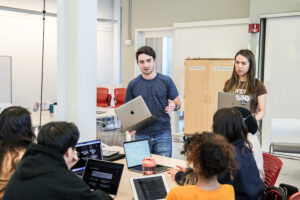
(77, 64)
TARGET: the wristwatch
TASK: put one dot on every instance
(175, 109)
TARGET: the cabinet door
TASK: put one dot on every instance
(219, 72)
(195, 98)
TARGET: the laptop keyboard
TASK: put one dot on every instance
(139, 168)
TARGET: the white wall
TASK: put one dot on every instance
(21, 38)
(105, 43)
(36, 5)
(207, 39)
(281, 75)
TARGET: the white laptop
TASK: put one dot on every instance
(135, 115)
(149, 187)
(228, 100)
(135, 152)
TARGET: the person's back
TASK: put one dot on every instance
(210, 155)
(245, 180)
(225, 192)
(43, 172)
(15, 137)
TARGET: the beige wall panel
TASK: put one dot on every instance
(196, 84)
(219, 72)
(204, 78)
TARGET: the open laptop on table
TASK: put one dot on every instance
(228, 100)
(135, 152)
(99, 174)
(86, 150)
(135, 115)
(149, 187)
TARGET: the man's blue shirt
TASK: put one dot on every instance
(155, 93)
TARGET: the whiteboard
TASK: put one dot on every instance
(5, 79)
(281, 72)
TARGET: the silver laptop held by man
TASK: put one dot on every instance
(135, 115)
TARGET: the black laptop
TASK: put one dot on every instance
(86, 150)
(135, 152)
(104, 175)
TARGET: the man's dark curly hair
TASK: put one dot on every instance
(209, 153)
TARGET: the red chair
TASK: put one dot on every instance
(120, 94)
(272, 167)
(295, 196)
(103, 97)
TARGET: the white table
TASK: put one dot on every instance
(125, 191)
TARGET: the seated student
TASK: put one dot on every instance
(210, 156)
(252, 126)
(245, 180)
(43, 172)
(15, 137)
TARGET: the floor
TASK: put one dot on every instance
(289, 174)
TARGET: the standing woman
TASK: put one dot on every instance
(15, 137)
(243, 81)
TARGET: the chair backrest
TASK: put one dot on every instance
(272, 167)
(120, 94)
(103, 97)
(295, 196)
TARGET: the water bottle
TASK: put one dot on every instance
(149, 166)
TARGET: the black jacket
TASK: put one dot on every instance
(43, 174)
(246, 180)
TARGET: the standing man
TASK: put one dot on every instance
(161, 96)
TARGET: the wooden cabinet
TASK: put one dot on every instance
(204, 78)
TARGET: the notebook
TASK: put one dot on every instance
(86, 150)
(228, 100)
(149, 187)
(99, 174)
(135, 115)
(135, 152)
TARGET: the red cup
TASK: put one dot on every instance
(149, 166)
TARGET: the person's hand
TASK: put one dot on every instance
(172, 106)
(173, 171)
(131, 132)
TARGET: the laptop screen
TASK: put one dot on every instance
(103, 175)
(86, 150)
(150, 187)
(136, 151)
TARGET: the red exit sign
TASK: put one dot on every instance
(254, 28)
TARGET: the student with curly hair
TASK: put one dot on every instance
(245, 180)
(15, 137)
(210, 156)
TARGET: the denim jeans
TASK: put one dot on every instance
(160, 144)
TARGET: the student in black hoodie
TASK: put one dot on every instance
(43, 172)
